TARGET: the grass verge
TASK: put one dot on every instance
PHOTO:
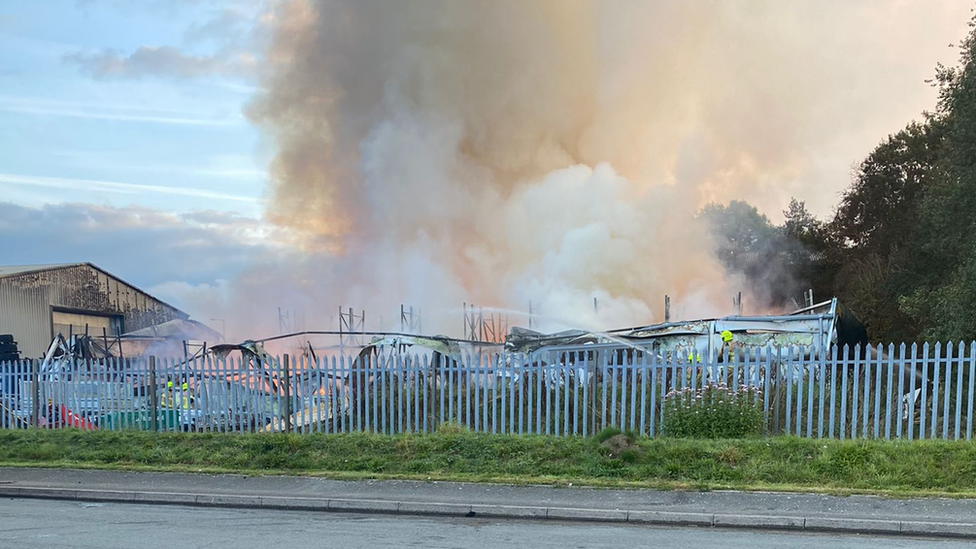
(893, 468)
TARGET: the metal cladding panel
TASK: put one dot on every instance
(26, 302)
(26, 313)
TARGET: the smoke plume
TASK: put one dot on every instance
(501, 152)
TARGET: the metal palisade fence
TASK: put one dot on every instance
(913, 392)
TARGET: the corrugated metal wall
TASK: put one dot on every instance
(26, 302)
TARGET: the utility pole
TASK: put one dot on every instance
(478, 327)
(349, 325)
(410, 321)
(283, 321)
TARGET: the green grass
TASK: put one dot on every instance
(893, 468)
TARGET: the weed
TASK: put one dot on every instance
(619, 459)
(713, 411)
(450, 428)
(606, 434)
(731, 455)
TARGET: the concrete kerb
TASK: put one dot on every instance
(666, 518)
(831, 524)
(941, 529)
(599, 515)
(422, 508)
(510, 511)
(660, 518)
(758, 521)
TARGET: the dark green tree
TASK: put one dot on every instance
(877, 212)
(808, 243)
(943, 250)
(900, 250)
(749, 245)
(867, 245)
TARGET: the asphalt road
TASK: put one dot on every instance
(734, 503)
(29, 524)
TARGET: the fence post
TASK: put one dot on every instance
(778, 385)
(287, 395)
(153, 400)
(35, 393)
(592, 381)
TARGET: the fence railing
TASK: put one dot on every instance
(913, 392)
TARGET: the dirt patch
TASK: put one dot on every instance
(620, 445)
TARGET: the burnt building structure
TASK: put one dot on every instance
(39, 301)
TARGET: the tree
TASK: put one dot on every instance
(943, 251)
(749, 245)
(808, 243)
(741, 233)
(867, 245)
(801, 225)
(900, 250)
(877, 213)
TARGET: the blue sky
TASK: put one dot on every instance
(123, 143)
(123, 140)
(69, 133)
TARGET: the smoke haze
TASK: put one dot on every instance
(435, 152)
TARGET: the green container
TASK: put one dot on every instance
(166, 420)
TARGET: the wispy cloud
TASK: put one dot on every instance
(116, 116)
(220, 166)
(232, 33)
(31, 106)
(238, 174)
(148, 246)
(148, 61)
(94, 185)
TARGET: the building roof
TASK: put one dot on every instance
(7, 271)
(178, 329)
(11, 270)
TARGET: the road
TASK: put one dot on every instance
(29, 524)
(726, 503)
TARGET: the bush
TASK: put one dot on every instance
(713, 411)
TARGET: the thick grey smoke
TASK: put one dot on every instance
(435, 152)
(449, 152)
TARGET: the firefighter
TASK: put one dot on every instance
(728, 352)
(693, 376)
(175, 397)
(184, 399)
(167, 400)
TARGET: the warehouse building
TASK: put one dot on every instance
(39, 301)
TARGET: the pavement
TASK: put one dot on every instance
(42, 524)
(929, 517)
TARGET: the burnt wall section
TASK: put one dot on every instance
(27, 299)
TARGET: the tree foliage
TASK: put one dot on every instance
(900, 249)
(750, 246)
(942, 256)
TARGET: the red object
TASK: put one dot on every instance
(69, 418)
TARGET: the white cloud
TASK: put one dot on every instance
(151, 61)
(47, 107)
(152, 248)
(232, 29)
(94, 185)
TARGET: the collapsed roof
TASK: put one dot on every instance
(819, 326)
(188, 329)
(438, 344)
